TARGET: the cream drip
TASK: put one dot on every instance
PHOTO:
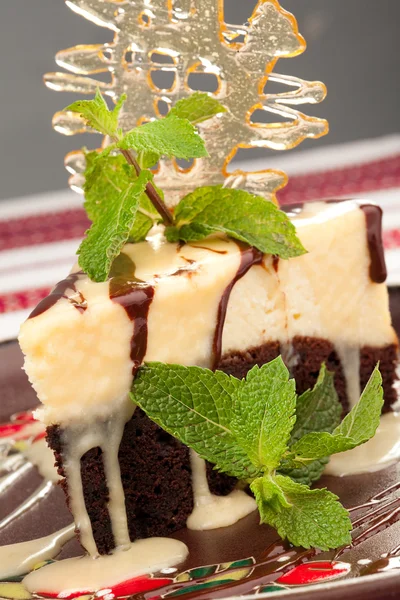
(90, 575)
(79, 439)
(210, 511)
(380, 452)
(17, 559)
(350, 361)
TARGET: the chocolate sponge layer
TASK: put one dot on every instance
(155, 467)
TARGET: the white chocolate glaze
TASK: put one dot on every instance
(349, 357)
(210, 511)
(40, 455)
(77, 440)
(380, 452)
(87, 574)
(18, 559)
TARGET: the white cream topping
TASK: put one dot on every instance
(349, 357)
(210, 511)
(79, 363)
(90, 575)
(377, 454)
(329, 293)
(17, 559)
(183, 314)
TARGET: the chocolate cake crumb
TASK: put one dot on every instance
(310, 353)
(387, 358)
(239, 363)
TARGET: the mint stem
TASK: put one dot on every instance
(151, 191)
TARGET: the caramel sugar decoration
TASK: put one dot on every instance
(189, 41)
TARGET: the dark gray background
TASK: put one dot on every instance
(353, 46)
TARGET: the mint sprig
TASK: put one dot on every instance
(244, 426)
(208, 210)
(199, 412)
(97, 114)
(239, 215)
(106, 178)
(357, 427)
(264, 414)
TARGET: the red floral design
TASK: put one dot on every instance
(314, 572)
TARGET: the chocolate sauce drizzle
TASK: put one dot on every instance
(60, 292)
(209, 249)
(249, 256)
(275, 263)
(135, 296)
(373, 216)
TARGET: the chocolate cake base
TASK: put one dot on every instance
(155, 467)
(307, 356)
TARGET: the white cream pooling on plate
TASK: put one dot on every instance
(18, 559)
(86, 574)
(210, 511)
(378, 453)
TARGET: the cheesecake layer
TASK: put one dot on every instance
(194, 303)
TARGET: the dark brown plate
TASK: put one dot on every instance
(245, 559)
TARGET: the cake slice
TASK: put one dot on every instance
(217, 304)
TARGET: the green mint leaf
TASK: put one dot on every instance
(195, 406)
(147, 159)
(106, 177)
(264, 413)
(363, 420)
(166, 137)
(316, 445)
(307, 518)
(197, 108)
(146, 217)
(318, 409)
(238, 214)
(110, 231)
(357, 427)
(266, 491)
(97, 114)
(306, 473)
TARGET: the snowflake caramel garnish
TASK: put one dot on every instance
(189, 39)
